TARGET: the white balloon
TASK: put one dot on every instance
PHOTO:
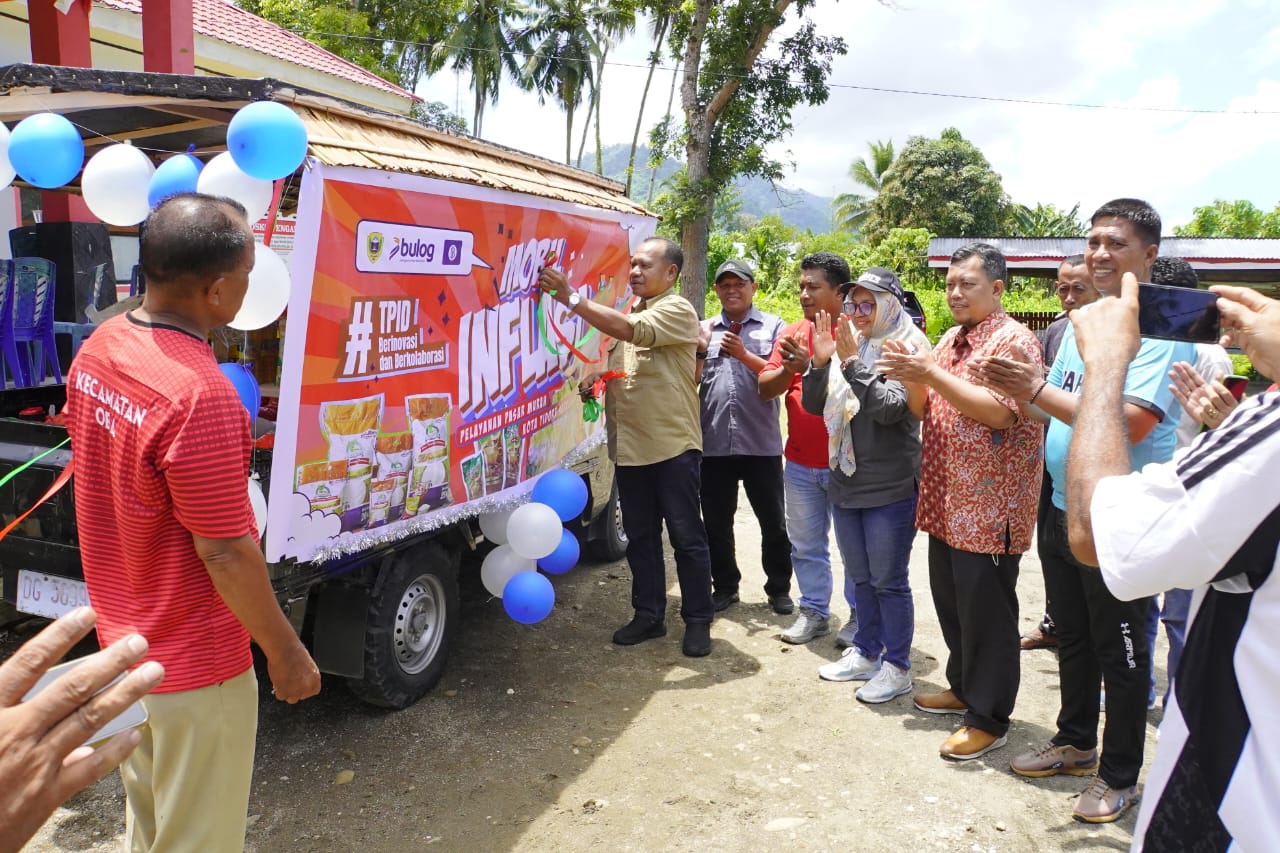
(259, 502)
(7, 172)
(115, 182)
(268, 293)
(494, 526)
(501, 565)
(534, 530)
(221, 176)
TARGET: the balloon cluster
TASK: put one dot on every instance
(265, 141)
(533, 537)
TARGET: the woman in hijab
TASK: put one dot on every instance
(874, 454)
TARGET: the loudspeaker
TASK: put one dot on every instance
(77, 248)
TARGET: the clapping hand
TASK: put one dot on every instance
(1016, 377)
(795, 355)
(848, 338)
(900, 361)
(824, 344)
(1208, 402)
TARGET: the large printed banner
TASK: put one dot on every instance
(416, 376)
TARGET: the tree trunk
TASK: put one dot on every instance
(697, 229)
(653, 170)
(599, 88)
(477, 120)
(586, 126)
(654, 58)
(568, 132)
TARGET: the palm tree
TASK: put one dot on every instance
(663, 12)
(561, 52)
(610, 20)
(481, 42)
(1043, 220)
(851, 209)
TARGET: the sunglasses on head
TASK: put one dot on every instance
(866, 309)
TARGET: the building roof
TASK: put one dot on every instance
(226, 22)
(1217, 259)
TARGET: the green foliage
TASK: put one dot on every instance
(1043, 220)
(437, 115)
(1242, 366)
(783, 301)
(852, 209)
(480, 42)
(767, 246)
(903, 250)
(944, 185)
(316, 19)
(1231, 219)
(937, 315)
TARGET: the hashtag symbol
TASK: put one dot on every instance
(359, 339)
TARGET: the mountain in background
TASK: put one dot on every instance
(798, 208)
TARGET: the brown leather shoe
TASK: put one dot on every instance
(939, 703)
(968, 743)
(1037, 639)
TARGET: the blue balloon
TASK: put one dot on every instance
(564, 557)
(246, 386)
(528, 597)
(267, 140)
(178, 174)
(563, 491)
(46, 150)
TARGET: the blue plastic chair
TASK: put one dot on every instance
(137, 283)
(17, 366)
(33, 284)
(81, 330)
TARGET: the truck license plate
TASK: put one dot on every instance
(47, 595)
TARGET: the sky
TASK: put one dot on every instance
(1216, 55)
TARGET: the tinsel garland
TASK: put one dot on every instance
(351, 542)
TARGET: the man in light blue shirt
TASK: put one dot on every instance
(741, 438)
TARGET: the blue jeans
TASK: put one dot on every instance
(1176, 605)
(808, 523)
(876, 546)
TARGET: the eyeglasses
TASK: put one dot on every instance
(866, 309)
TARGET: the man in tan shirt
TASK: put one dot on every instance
(655, 438)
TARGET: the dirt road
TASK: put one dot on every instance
(548, 737)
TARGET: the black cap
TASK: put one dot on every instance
(878, 278)
(739, 268)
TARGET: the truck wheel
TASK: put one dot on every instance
(610, 542)
(413, 617)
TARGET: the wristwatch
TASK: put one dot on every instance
(574, 298)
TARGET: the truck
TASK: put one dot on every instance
(416, 380)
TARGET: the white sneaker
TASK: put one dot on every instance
(888, 683)
(807, 626)
(844, 637)
(852, 666)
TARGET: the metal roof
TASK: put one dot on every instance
(1219, 259)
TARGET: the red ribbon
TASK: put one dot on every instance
(63, 478)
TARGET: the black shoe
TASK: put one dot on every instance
(721, 599)
(697, 640)
(782, 604)
(639, 629)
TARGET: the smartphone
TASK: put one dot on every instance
(1236, 385)
(130, 718)
(1178, 314)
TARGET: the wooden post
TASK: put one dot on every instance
(168, 36)
(60, 39)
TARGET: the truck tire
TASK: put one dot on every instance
(610, 542)
(413, 617)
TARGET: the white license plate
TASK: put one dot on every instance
(47, 595)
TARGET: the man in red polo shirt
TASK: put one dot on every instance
(807, 469)
(167, 534)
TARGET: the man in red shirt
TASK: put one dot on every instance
(167, 534)
(807, 469)
(980, 472)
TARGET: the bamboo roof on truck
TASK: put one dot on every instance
(163, 114)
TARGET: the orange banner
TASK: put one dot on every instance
(417, 382)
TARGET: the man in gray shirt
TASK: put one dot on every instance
(741, 438)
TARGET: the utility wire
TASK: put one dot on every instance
(851, 86)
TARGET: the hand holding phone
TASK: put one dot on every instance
(1178, 313)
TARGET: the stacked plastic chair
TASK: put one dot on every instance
(10, 358)
(33, 317)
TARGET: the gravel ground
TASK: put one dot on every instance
(548, 737)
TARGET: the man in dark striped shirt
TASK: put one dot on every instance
(1210, 521)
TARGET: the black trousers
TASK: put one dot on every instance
(651, 494)
(1100, 639)
(977, 603)
(1046, 504)
(761, 476)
